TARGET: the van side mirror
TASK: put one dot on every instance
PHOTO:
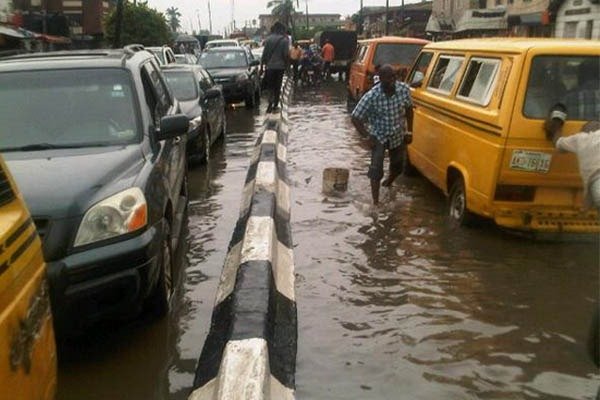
(417, 80)
(172, 126)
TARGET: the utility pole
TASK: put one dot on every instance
(360, 18)
(118, 24)
(307, 19)
(44, 17)
(209, 19)
(402, 16)
(387, 24)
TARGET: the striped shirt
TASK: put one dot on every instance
(385, 114)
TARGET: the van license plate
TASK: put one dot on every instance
(532, 161)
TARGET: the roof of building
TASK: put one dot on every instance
(515, 45)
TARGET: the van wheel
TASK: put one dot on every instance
(457, 205)
(161, 296)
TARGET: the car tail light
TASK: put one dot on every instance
(514, 193)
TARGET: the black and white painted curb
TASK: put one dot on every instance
(250, 351)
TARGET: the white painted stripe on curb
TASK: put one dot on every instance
(283, 197)
(244, 372)
(266, 176)
(258, 240)
(281, 152)
(283, 272)
(209, 391)
(229, 273)
(280, 392)
(270, 137)
(206, 392)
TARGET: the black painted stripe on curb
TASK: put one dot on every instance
(268, 152)
(255, 309)
(264, 204)
(239, 231)
(282, 170)
(252, 171)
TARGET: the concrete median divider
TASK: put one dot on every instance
(250, 351)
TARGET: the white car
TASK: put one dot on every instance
(257, 52)
(222, 43)
(163, 54)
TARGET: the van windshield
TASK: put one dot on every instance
(571, 80)
(396, 53)
(66, 108)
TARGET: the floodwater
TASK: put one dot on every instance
(392, 303)
(395, 304)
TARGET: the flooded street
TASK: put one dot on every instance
(395, 304)
(392, 303)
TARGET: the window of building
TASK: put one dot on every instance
(446, 72)
(589, 26)
(571, 29)
(479, 81)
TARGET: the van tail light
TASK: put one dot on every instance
(514, 193)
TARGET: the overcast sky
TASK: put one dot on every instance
(247, 10)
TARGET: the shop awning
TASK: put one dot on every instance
(7, 31)
(479, 20)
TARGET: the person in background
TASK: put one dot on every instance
(296, 54)
(328, 54)
(387, 108)
(274, 61)
(586, 145)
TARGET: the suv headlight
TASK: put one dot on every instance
(117, 215)
(195, 123)
(241, 78)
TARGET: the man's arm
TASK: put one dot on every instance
(360, 126)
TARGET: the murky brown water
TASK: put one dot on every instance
(395, 304)
(391, 305)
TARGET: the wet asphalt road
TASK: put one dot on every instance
(392, 303)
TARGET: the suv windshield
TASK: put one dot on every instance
(66, 108)
(396, 53)
(223, 59)
(571, 80)
(183, 84)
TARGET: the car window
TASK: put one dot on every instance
(479, 81)
(67, 107)
(445, 73)
(163, 101)
(151, 96)
(571, 80)
(183, 84)
(362, 52)
(204, 81)
(420, 68)
(170, 56)
(223, 59)
(396, 53)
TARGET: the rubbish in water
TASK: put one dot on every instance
(335, 180)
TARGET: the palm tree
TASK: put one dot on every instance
(173, 16)
(284, 10)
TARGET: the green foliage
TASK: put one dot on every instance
(141, 24)
(173, 16)
(284, 10)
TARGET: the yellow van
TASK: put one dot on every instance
(480, 105)
(27, 348)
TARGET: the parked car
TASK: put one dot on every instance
(100, 159)
(186, 59)
(400, 52)
(236, 69)
(163, 54)
(28, 351)
(211, 44)
(478, 134)
(203, 102)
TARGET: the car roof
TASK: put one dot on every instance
(515, 45)
(223, 41)
(225, 48)
(181, 67)
(109, 58)
(394, 39)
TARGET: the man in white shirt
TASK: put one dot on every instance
(586, 145)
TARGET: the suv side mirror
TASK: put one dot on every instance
(211, 94)
(254, 63)
(172, 126)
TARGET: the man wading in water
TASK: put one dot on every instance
(387, 108)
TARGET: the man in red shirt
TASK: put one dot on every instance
(328, 54)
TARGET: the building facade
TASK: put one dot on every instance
(410, 20)
(266, 21)
(466, 18)
(578, 19)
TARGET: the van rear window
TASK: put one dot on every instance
(396, 53)
(571, 80)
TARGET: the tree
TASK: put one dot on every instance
(284, 10)
(173, 16)
(141, 24)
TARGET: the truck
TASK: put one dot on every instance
(344, 43)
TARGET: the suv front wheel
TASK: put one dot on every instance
(160, 298)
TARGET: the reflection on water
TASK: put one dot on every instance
(394, 303)
(156, 360)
